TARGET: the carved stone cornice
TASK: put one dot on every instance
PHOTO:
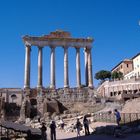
(58, 39)
(87, 49)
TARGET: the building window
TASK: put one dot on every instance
(13, 97)
(127, 65)
(138, 66)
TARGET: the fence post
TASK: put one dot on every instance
(106, 120)
(137, 118)
(130, 117)
(96, 117)
(1, 132)
(124, 118)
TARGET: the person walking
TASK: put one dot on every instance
(43, 132)
(118, 116)
(53, 130)
(86, 125)
(78, 127)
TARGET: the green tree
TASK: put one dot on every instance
(102, 75)
(117, 75)
(114, 75)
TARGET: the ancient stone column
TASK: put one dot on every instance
(27, 67)
(90, 75)
(40, 55)
(52, 68)
(66, 78)
(78, 70)
(86, 66)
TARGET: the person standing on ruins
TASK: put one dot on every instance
(62, 124)
(118, 116)
(53, 130)
(78, 127)
(43, 132)
(29, 135)
(86, 125)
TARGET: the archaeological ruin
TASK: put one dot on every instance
(41, 98)
(59, 39)
(29, 101)
(53, 40)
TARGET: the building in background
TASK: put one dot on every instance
(12, 95)
(135, 73)
(121, 89)
(127, 88)
(136, 65)
(124, 66)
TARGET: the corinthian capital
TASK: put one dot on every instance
(87, 49)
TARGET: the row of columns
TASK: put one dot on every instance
(88, 67)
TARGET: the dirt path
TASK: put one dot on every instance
(72, 136)
(62, 135)
(105, 137)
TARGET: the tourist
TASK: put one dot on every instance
(29, 135)
(62, 124)
(43, 132)
(53, 130)
(78, 127)
(118, 116)
(86, 125)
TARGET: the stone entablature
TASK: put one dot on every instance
(59, 33)
(58, 38)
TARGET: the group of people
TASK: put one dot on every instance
(78, 126)
(52, 131)
(53, 128)
(85, 124)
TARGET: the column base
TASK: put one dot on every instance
(39, 86)
(66, 86)
(52, 86)
(90, 86)
(79, 86)
(26, 87)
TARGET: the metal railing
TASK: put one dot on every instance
(126, 118)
